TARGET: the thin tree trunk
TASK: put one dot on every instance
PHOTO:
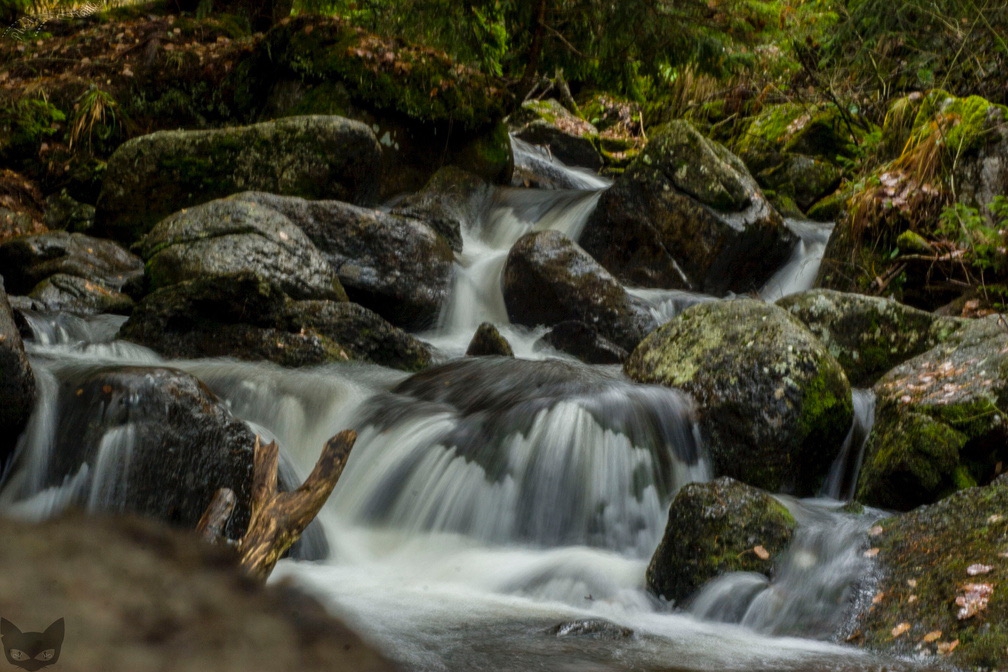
(538, 30)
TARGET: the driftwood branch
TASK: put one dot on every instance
(278, 518)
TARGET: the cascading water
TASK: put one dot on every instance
(491, 509)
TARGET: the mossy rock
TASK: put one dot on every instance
(453, 200)
(868, 335)
(152, 176)
(804, 178)
(714, 528)
(939, 421)
(568, 137)
(774, 404)
(76, 295)
(924, 560)
(488, 342)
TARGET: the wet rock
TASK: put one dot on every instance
(774, 404)
(244, 316)
(28, 260)
(926, 562)
(488, 341)
(584, 342)
(396, 266)
(549, 279)
(687, 214)
(66, 213)
(21, 206)
(868, 335)
(77, 295)
(231, 236)
(452, 200)
(593, 628)
(567, 137)
(152, 176)
(130, 590)
(17, 382)
(713, 528)
(939, 423)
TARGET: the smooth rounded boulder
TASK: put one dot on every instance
(549, 279)
(774, 404)
(152, 176)
(686, 214)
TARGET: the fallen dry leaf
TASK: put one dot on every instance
(900, 629)
(945, 648)
(932, 636)
(912, 583)
(761, 553)
(879, 596)
(871, 552)
(973, 599)
(978, 568)
(875, 531)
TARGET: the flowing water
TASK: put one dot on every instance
(495, 513)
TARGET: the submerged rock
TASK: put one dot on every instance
(152, 176)
(17, 382)
(399, 267)
(939, 585)
(939, 424)
(232, 236)
(713, 528)
(549, 279)
(488, 341)
(868, 335)
(244, 316)
(687, 214)
(774, 404)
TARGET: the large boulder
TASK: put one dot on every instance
(939, 424)
(230, 236)
(130, 590)
(452, 201)
(567, 137)
(687, 214)
(714, 528)
(17, 382)
(399, 267)
(939, 583)
(152, 176)
(246, 317)
(549, 279)
(774, 404)
(869, 335)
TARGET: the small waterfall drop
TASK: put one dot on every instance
(800, 270)
(841, 482)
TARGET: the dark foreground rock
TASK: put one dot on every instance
(940, 588)
(138, 597)
(774, 404)
(17, 382)
(152, 176)
(246, 317)
(549, 279)
(687, 214)
(713, 528)
(585, 343)
(939, 423)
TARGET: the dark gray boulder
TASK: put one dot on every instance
(17, 382)
(451, 201)
(774, 404)
(585, 343)
(152, 176)
(549, 279)
(77, 295)
(687, 214)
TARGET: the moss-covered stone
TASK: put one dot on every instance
(489, 342)
(774, 404)
(714, 528)
(924, 562)
(155, 175)
(569, 138)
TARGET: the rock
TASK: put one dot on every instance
(868, 335)
(592, 628)
(774, 404)
(66, 213)
(396, 266)
(21, 206)
(566, 136)
(939, 426)
(426, 109)
(804, 179)
(549, 279)
(244, 316)
(585, 343)
(152, 176)
(130, 590)
(927, 561)
(77, 295)
(231, 236)
(28, 260)
(687, 214)
(714, 528)
(487, 341)
(452, 200)
(17, 382)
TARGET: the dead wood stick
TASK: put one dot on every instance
(211, 523)
(278, 518)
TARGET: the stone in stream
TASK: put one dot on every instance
(17, 382)
(939, 420)
(452, 200)
(549, 279)
(713, 528)
(152, 176)
(687, 214)
(488, 341)
(774, 404)
(567, 137)
(584, 342)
